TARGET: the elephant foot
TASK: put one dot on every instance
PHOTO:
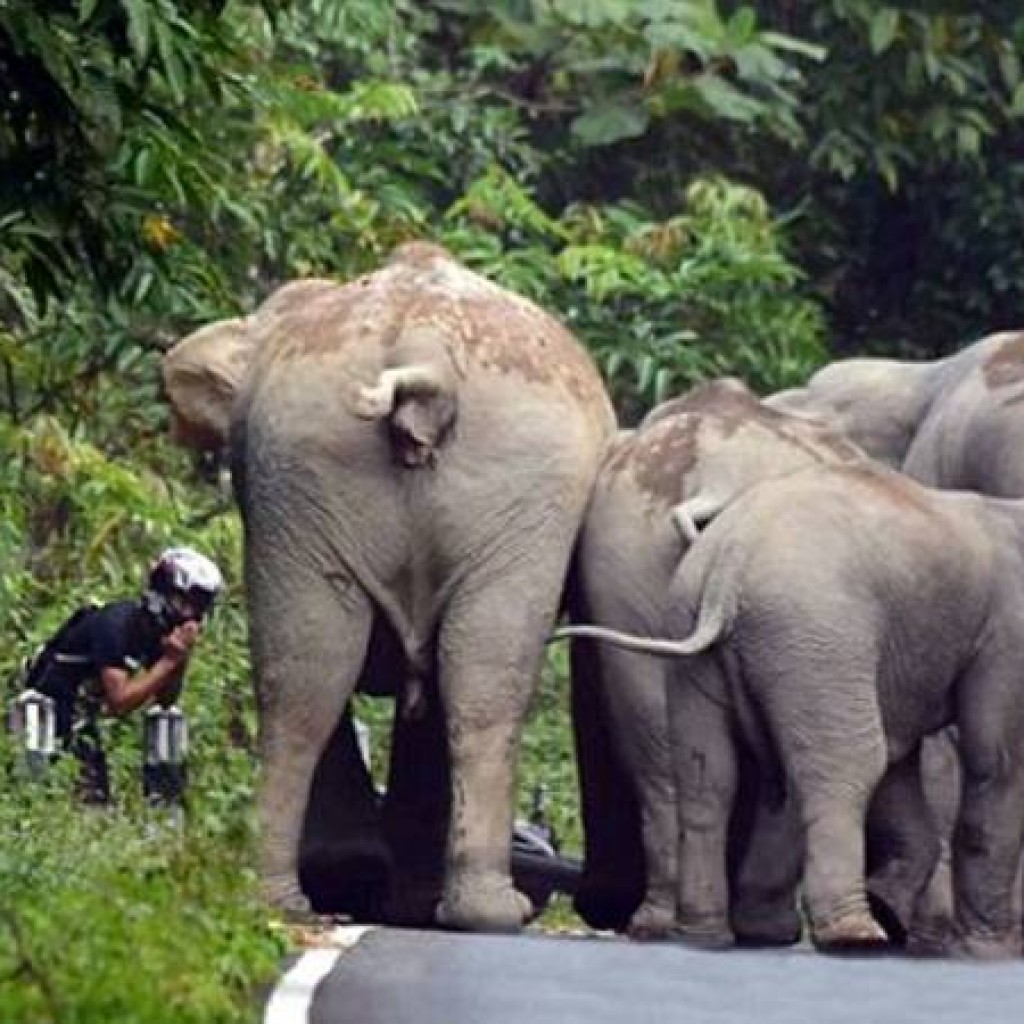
(930, 941)
(853, 933)
(766, 927)
(986, 947)
(285, 898)
(652, 921)
(492, 906)
(931, 934)
(704, 936)
(604, 905)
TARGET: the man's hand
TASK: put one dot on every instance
(179, 642)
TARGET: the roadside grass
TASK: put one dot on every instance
(117, 915)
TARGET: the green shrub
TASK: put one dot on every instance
(112, 915)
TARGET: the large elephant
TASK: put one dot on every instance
(826, 622)
(412, 453)
(686, 461)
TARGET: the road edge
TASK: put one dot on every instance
(292, 997)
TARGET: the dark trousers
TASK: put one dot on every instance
(86, 746)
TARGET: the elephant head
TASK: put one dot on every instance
(949, 422)
(877, 403)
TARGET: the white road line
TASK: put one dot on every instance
(291, 1000)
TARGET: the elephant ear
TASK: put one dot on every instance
(202, 375)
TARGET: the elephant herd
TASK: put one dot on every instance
(795, 621)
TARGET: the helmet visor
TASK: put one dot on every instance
(192, 604)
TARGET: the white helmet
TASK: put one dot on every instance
(184, 571)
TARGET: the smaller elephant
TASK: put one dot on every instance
(954, 423)
(826, 622)
(685, 462)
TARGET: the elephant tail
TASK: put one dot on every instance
(714, 621)
(712, 626)
(419, 402)
(706, 634)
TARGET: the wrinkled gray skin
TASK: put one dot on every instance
(954, 423)
(685, 462)
(412, 453)
(828, 621)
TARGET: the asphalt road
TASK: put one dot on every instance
(410, 977)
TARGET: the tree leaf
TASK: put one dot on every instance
(742, 27)
(888, 170)
(778, 41)
(1009, 67)
(884, 26)
(1017, 103)
(138, 26)
(595, 13)
(725, 100)
(603, 125)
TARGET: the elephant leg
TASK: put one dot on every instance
(933, 922)
(490, 647)
(986, 863)
(309, 641)
(989, 829)
(704, 757)
(344, 862)
(902, 847)
(612, 884)
(829, 735)
(769, 850)
(416, 811)
(634, 689)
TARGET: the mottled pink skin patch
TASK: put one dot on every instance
(423, 286)
(668, 447)
(1006, 365)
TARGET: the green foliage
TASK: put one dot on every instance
(114, 915)
(942, 85)
(109, 916)
(617, 66)
(910, 187)
(547, 761)
(693, 186)
(662, 304)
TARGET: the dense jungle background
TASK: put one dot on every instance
(696, 187)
